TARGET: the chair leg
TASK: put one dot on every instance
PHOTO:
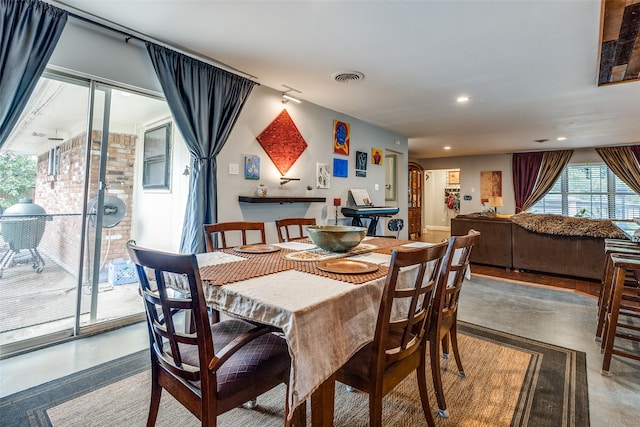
(156, 394)
(424, 394)
(602, 298)
(453, 333)
(445, 346)
(611, 321)
(434, 355)
(375, 408)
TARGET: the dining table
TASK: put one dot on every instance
(325, 304)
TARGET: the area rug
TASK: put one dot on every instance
(510, 381)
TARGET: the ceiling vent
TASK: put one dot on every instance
(540, 141)
(347, 76)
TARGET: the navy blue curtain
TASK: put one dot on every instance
(205, 102)
(29, 31)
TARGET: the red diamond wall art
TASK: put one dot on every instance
(282, 142)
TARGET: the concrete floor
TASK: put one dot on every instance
(558, 317)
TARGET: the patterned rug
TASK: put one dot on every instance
(510, 381)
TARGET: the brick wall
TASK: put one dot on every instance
(62, 196)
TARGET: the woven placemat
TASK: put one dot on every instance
(258, 265)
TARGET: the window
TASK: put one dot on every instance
(591, 191)
(53, 167)
(157, 145)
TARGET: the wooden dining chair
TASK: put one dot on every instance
(224, 229)
(292, 228)
(398, 347)
(208, 368)
(443, 324)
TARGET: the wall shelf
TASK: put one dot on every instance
(281, 200)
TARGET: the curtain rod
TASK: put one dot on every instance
(131, 34)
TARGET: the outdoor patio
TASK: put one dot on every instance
(34, 304)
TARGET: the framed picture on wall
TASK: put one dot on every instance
(454, 177)
(156, 157)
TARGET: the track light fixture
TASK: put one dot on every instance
(286, 98)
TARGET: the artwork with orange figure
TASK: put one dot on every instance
(341, 137)
(490, 185)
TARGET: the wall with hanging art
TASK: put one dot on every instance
(361, 164)
(376, 156)
(313, 123)
(490, 185)
(341, 137)
(282, 142)
(251, 167)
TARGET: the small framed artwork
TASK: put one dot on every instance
(323, 175)
(361, 164)
(340, 168)
(251, 167)
(341, 137)
(376, 156)
(156, 157)
(454, 177)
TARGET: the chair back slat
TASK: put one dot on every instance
(452, 274)
(225, 229)
(292, 228)
(405, 305)
(169, 335)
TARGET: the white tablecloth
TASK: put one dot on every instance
(324, 321)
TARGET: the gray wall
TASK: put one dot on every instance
(315, 124)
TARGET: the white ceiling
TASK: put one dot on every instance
(529, 67)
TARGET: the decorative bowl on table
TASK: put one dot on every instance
(336, 238)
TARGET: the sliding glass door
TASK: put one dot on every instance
(68, 173)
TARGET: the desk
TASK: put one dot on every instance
(324, 320)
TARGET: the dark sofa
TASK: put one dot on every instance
(506, 244)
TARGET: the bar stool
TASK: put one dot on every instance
(632, 278)
(623, 301)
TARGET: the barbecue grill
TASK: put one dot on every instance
(22, 229)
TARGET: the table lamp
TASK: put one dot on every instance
(495, 203)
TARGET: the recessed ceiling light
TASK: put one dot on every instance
(561, 138)
(447, 148)
(462, 99)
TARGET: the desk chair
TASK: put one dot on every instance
(208, 368)
(396, 225)
(223, 229)
(399, 346)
